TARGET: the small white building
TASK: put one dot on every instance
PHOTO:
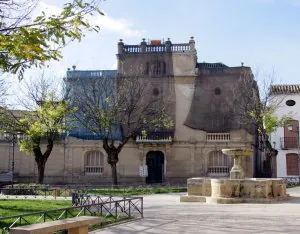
(286, 139)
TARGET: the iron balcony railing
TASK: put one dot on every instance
(156, 137)
(289, 142)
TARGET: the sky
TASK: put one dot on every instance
(263, 34)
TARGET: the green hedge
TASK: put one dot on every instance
(24, 189)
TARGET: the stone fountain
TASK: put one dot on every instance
(237, 189)
(237, 171)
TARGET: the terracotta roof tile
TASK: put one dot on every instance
(285, 89)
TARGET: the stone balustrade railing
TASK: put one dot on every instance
(217, 137)
(180, 47)
(183, 47)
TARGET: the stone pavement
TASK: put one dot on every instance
(165, 214)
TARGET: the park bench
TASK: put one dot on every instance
(78, 225)
(6, 178)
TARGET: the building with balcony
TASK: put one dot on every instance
(206, 110)
(286, 99)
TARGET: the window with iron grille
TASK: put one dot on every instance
(94, 163)
(219, 164)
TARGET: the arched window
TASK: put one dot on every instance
(219, 164)
(94, 163)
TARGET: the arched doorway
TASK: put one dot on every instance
(155, 162)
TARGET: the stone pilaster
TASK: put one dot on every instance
(192, 160)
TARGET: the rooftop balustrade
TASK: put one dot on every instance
(183, 47)
(75, 74)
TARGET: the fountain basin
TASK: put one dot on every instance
(237, 189)
(224, 191)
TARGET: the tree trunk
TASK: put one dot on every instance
(114, 176)
(41, 159)
(41, 172)
(113, 157)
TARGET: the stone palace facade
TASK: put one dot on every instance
(205, 109)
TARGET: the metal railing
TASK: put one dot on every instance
(289, 142)
(77, 74)
(112, 210)
(218, 171)
(94, 170)
(292, 181)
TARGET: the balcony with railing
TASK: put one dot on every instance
(155, 137)
(217, 137)
(289, 142)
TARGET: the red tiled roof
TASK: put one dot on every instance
(285, 89)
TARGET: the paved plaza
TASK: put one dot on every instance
(165, 214)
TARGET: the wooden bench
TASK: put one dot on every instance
(78, 225)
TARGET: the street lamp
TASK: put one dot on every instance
(12, 137)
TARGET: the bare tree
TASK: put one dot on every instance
(123, 106)
(41, 121)
(256, 110)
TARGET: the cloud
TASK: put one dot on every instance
(49, 9)
(106, 23)
(119, 26)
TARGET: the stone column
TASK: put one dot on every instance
(192, 44)
(237, 171)
(168, 44)
(168, 156)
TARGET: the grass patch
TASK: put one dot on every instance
(19, 207)
(135, 191)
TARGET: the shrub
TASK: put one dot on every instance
(23, 189)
